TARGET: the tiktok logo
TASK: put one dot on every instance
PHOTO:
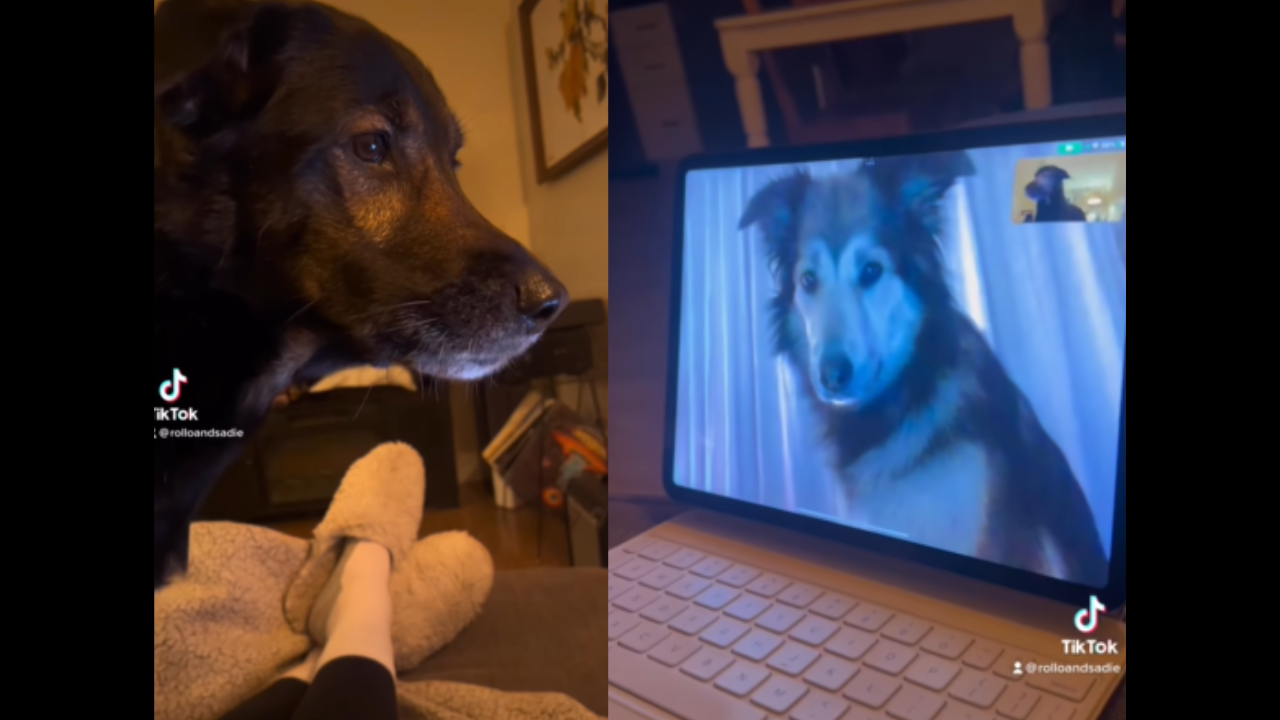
(171, 390)
(1087, 620)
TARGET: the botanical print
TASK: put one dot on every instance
(585, 39)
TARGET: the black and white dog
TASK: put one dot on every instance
(931, 436)
(308, 218)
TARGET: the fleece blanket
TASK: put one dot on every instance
(222, 633)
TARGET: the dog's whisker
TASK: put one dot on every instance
(298, 314)
(363, 404)
(384, 311)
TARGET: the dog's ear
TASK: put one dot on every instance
(917, 185)
(776, 207)
(236, 80)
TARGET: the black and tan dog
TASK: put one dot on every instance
(308, 218)
(931, 436)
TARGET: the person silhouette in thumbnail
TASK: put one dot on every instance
(1051, 198)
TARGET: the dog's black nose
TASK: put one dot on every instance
(836, 372)
(541, 298)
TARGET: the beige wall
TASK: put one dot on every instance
(569, 218)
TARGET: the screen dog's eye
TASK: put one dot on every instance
(809, 281)
(370, 147)
(871, 274)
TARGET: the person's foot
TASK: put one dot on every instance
(359, 592)
(380, 501)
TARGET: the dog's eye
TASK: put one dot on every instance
(809, 281)
(871, 274)
(370, 147)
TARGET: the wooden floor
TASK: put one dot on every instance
(510, 535)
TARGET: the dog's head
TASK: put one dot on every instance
(1048, 184)
(859, 270)
(310, 168)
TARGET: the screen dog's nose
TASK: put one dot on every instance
(836, 372)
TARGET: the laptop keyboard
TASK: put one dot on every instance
(704, 638)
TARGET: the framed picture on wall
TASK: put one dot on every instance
(566, 50)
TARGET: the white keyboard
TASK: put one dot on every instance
(704, 638)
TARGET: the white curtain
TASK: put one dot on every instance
(1051, 300)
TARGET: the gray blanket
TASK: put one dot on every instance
(221, 636)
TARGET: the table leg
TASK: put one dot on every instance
(1037, 76)
(745, 67)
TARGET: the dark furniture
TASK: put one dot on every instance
(294, 464)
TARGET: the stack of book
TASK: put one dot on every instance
(516, 483)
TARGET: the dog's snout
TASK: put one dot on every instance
(540, 298)
(836, 372)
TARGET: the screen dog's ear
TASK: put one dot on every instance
(776, 211)
(917, 185)
(236, 80)
(775, 207)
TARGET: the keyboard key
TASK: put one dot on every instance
(780, 695)
(768, 586)
(742, 679)
(659, 551)
(960, 712)
(637, 546)
(644, 638)
(907, 630)
(661, 579)
(739, 576)
(872, 689)
(717, 597)
(675, 650)
(781, 619)
(851, 644)
(636, 569)
(831, 674)
(704, 666)
(979, 690)
(621, 624)
(834, 607)
(725, 633)
(618, 586)
(933, 673)
(915, 704)
(637, 600)
(800, 596)
(651, 682)
(820, 707)
(947, 643)
(685, 559)
(711, 568)
(983, 655)
(1054, 709)
(689, 588)
(694, 621)
(890, 657)
(664, 610)
(1070, 687)
(1011, 662)
(871, 618)
(815, 631)
(1018, 703)
(748, 608)
(794, 660)
(758, 646)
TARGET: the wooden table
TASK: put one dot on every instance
(742, 39)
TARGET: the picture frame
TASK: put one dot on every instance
(567, 80)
